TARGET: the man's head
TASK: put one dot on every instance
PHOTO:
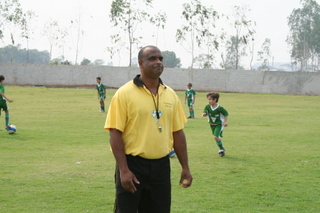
(98, 79)
(150, 61)
(189, 85)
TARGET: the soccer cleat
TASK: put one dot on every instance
(221, 152)
(7, 127)
(101, 111)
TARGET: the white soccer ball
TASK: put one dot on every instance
(12, 129)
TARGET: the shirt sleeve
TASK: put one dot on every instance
(117, 116)
(205, 110)
(224, 111)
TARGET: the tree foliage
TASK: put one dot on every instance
(233, 51)
(55, 34)
(197, 30)
(204, 61)
(264, 54)
(240, 40)
(304, 37)
(159, 20)
(127, 17)
(14, 54)
(12, 17)
(170, 59)
(85, 61)
(77, 34)
(98, 62)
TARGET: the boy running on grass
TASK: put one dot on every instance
(190, 97)
(101, 93)
(3, 102)
(217, 118)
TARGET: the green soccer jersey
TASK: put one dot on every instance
(215, 115)
(190, 93)
(2, 91)
(101, 88)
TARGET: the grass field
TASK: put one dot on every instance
(59, 160)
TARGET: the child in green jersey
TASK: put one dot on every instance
(101, 93)
(3, 102)
(190, 97)
(217, 118)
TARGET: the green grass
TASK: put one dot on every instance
(272, 163)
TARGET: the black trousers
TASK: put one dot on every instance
(153, 194)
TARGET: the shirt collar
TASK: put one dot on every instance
(137, 81)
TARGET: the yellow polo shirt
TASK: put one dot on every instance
(132, 111)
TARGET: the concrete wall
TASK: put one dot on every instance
(298, 83)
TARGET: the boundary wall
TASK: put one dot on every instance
(246, 81)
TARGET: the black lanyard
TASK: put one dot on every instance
(156, 105)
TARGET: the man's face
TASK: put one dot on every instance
(151, 63)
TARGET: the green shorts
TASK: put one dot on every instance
(190, 104)
(101, 97)
(217, 130)
(3, 105)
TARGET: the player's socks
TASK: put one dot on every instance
(7, 119)
(102, 108)
(219, 143)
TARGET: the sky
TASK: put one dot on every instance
(270, 17)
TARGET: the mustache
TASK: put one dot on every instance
(158, 66)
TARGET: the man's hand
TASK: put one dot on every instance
(186, 179)
(128, 179)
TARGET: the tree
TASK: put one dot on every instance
(54, 33)
(304, 36)
(85, 61)
(127, 17)
(27, 31)
(198, 21)
(14, 54)
(204, 61)
(158, 20)
(77, 36)
(10, 17)
(98, 62)
(229, 60)
(243, 35)
(264, 54)
(118, 43)
(170, 60)
(13, 20)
